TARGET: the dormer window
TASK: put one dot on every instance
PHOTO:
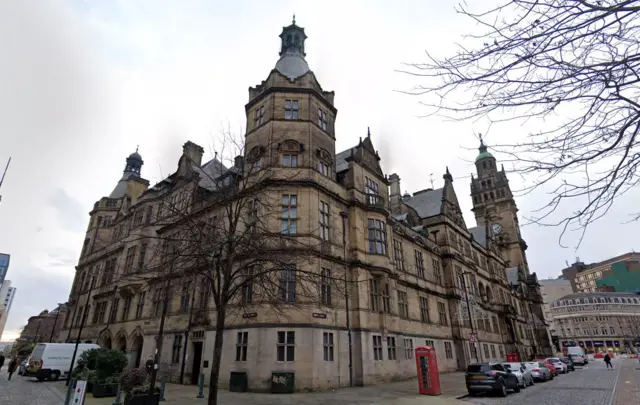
(259, 116)
(322, 119)
(291, 108)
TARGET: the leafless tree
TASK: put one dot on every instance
(232, 230)
(571, 67)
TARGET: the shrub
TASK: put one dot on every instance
(109, 363)
(133, 379)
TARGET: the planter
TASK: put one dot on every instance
(238, 382)
(104, 390)
(142, 399)
(283, 383)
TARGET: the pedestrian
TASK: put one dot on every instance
(607, 360)
(1, 360)
(12, 367)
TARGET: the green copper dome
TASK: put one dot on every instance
(483, 151)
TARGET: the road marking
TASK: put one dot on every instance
(613, 393)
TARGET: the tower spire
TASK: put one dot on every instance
(294, 19)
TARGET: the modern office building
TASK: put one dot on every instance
(584, 277)
(7, 294)
(4, 266)
(622, 277)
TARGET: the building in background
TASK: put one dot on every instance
(599, 321)
(4, 266)
(623, 277)
(552, 290)
(584, 277)
(44, 327)
(7, 293)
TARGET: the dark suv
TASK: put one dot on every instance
(490, 377)
(569, 363)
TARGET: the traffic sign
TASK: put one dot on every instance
(78, 397)
(473, 338)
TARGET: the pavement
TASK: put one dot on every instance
(591, 385)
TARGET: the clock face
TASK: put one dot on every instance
(497, 228)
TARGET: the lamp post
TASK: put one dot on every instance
(188, 330)
(344, 216)
(466, 294)
(35, 337)
(55, 322)
(82, 321)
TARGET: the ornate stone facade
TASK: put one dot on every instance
(409, 260)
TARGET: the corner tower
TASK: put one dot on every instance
(290, 118)
(495, 208)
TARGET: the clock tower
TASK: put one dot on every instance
(495, 209)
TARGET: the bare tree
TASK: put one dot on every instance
(574, 64)
(233, 230)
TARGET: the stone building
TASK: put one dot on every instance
(418, 275)
(44, 327)
(599, 321)
(552, 290)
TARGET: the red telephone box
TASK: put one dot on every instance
(512, 358)
(428, 375)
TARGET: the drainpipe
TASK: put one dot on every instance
(346, 294)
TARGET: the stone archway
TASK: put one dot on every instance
(136, 348)
(121, 344)
(107, 342)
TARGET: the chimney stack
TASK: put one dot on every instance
(193, 152)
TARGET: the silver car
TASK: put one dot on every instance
(525, 378)
(558, 364)
(538, 371)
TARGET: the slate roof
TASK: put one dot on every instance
(209, 173)
(341, 163)
(428, 203)
(121, 188)
(479, 235)
(292, 66)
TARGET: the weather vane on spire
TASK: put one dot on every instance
(294, 18)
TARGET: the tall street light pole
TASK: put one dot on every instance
(55, 322)
(160, 339)
(188, 330)
(466, 294)
(85, 312)
(346, 294)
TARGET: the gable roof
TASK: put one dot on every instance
(479, 235)
(341, 160)
(427, 204)
(209, 173)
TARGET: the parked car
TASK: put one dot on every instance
(549, 366)
(578, 359)
(524, 376)
(569, 363)
(558, 364)
(538, 371)
(490, 377)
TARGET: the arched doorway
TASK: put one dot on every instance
(122, 345)
(107, 342)
(137, 349)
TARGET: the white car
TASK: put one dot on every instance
(525, 378)
(559, 365)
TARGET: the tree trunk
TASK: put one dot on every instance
(217, 356)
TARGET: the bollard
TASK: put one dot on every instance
(67, 399)
(118, 395)
(163, 386)
(201, 386)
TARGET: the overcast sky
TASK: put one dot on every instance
(84, 82)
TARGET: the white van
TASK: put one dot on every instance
(49, 361)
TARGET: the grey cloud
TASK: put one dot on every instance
(62, 258)
(70, 211)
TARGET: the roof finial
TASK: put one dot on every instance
(368, 132)
(137, 146)
(294, 18)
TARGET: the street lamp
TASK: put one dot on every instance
(82, 321)
(55, 322)
(344, 216)
(466, 294)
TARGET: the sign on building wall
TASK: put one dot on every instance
(4, 266)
